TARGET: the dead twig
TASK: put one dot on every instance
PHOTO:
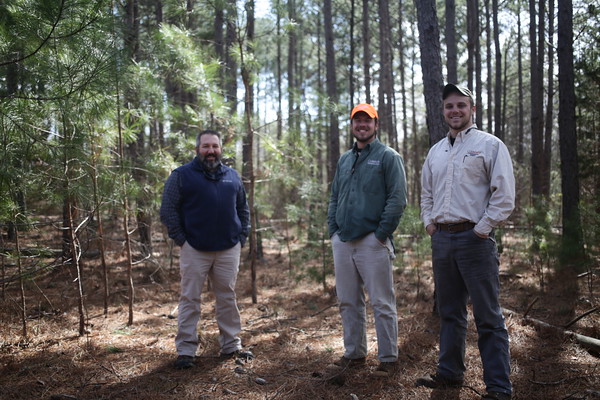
(585, 314)
(323, 309)
(530, 306)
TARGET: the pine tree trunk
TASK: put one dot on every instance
(572, 250)
(334, 131)
(549, 122)
(451, 48)
(431, 64)
(498, 120)
(366, 41)
(386, 78)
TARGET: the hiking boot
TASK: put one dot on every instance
(246, 355)
(350, 362)
(497, 396)
(438, 382)
(185, 362)
(385, 369)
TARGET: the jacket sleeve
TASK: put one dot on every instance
(332, 225)
(170, 209)
(395, 202)
(243, 212)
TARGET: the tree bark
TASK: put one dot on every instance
(431, 65)
(334, 130)
(498, 121)
(366, 51)
(488, 64)
(549, 120)
(572, 250)
(520, 107)
(451, 47)
(386, 78)
(536, 93)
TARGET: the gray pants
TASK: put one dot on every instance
(222, 267)
(359, 264)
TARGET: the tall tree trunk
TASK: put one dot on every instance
(572, 250)
(520, 108)
(402, 67)
(291, 69)
(431, 65)
(386, 79)
(537, 92)
(248, 139)
(498, 131)
(230, 63)
(478, 81)
(416, 164)
(98, 212)
(219, 39)
(352, 55)
(451, 48)
(549, 125)
(472, 32)
(366, 51)
(246, 79)
(488, 64)
(334, 130)
(21, 281)
(322, 177)
(75, 254)
(279, 78)
(351, 78)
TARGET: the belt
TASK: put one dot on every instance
(455, 228)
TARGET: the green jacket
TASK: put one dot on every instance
(369, 195)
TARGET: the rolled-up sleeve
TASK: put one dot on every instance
(502, 188)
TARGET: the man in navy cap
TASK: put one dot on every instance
(468, 189)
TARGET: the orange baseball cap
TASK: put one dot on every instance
(364, 107)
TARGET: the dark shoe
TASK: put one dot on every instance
(246, 355)
(439, 382)
(497, 396)
(185, 362)
(350, 362)
(385, 369)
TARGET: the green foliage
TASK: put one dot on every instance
(544, 241)
(413, 244)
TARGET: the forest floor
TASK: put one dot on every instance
(294, 330)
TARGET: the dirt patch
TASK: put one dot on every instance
(294, 330)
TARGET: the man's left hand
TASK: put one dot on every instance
(480, 234)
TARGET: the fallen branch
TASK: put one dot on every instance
(589, 343)
(324, 309)
(530, 306)
(585, 314)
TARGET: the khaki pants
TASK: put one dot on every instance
(222, 267)
(361, 264)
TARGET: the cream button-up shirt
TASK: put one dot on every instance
(471, 180)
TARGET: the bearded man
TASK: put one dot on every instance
(205, 211)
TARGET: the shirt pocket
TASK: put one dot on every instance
(372, 180)
(473, 169)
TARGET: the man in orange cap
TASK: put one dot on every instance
(368, 197)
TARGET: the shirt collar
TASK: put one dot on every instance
(462, 134)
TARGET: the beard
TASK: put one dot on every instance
(365, 139)
(211, 164)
